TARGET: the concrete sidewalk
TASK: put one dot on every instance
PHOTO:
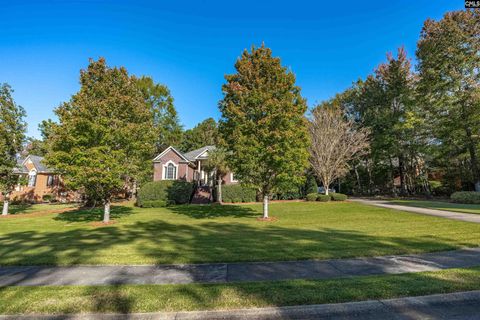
(467, 217)
(455, 306)
(237, 272)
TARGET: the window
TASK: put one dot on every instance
(170, 171)
(32, 178)
(49, 181)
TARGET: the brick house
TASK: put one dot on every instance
(40, 181)
(172, 164)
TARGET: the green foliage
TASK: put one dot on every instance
(311, 184)
(154, 204)
(470, 197)
(169, 191)
(48, 197)
(105, 137)
(312, 196)
(323, 197)
(263, 123)
(338, 196)
(238, 193)
(203, 134)
(12, 136)
(448, 64)
(168, 130)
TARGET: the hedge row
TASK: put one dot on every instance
(325, 197)
(471, 197)
(168, 191)
(238, 193)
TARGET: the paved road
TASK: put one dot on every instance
(468, 217)
(235, 272)
(454, 306)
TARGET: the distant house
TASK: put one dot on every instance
(39, 179)
(172, 164)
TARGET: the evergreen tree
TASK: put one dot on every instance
(203, 134)
(263, 123)
(169, 132)
(449, 86)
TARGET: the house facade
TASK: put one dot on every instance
(39, 181)
(172, 164)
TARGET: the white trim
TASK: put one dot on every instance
(231, 178)
(206, 150)
(157, 158)
(164, 172)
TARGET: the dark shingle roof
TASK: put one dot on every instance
(192, 155)
(37, 162)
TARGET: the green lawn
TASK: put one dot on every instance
(150, 298)
(193, 234)
(440, 205)
(33, 208)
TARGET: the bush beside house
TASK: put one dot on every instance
(162, 193)
(238, 193)
(470, 197)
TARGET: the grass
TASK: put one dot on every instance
(35, 208)
(440, 205)
(196, 234)
(150, 298)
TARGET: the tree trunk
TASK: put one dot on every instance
(106, 212)
(359, 183)
(6, 203)
(219, 191)
(473, 160)
(134, 190)
(401, 167)
(265, 206)
(326, 186)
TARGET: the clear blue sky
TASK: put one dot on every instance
(191, 45)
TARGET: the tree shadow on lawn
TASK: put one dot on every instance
(213, 211)
(159, 242)
(93, 214)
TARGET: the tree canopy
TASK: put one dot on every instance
(263, 123)
(105, 135)
(12, 136)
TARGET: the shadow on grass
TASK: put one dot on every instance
(93, 214)
(19, 208)
(158, 242)
(213, 211)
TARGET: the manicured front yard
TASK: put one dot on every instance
(36, 208)
(193, 234)
(440, 205)
(150, 298)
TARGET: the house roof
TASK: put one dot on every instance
(37, 162)
(190, 156)
(195, 154)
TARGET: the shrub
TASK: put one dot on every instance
(154, 204)
(311, 185)
(47, 197)
(312, 197)
(339, 197)
(471, 197)
(323, 198)
(238, 193)
(171, 192)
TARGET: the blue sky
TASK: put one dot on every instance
(191, 45)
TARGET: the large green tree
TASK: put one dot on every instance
(263, 123)
(105, 136)
(449, 69)
(12, 135)
(165, 118)
(36, 146)
(203, 134)
(385, 103)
